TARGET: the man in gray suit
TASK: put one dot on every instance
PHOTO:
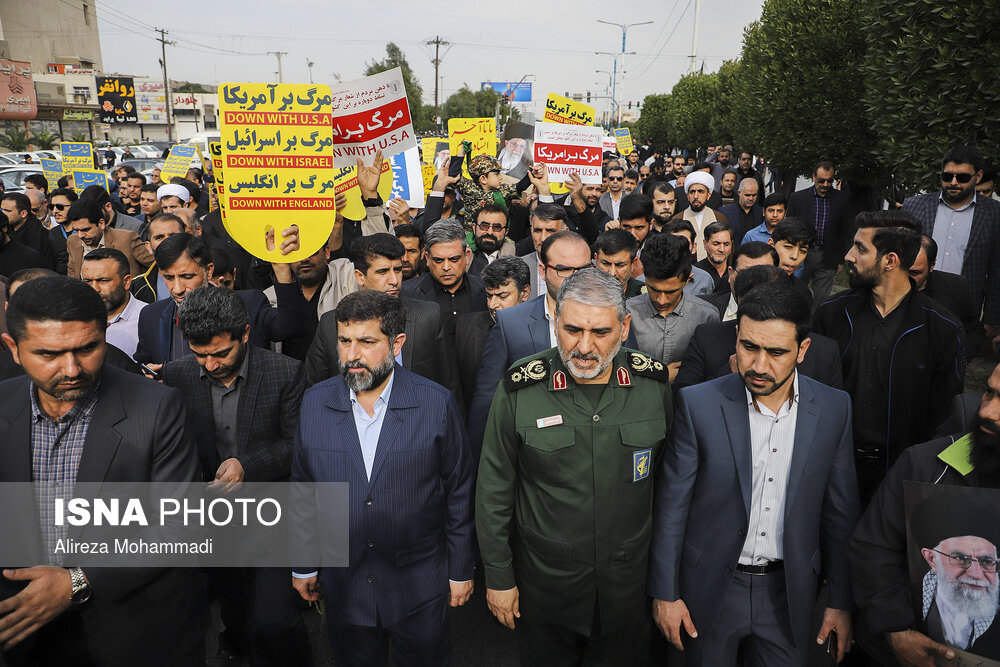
(756, 500)
(546, 220)
(378, 265)
(72, 418)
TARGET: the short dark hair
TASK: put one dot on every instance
(118, 256)
(774, 199)
(368, 305)
(210, 311)
(614, 241)
(823, 164)
(503, 269)
(699, 165)
(752, 276)
(543, 252)
(163, 217)
(367, 248)
(96, 193)
(548, 211)
(193, 189)
(680, 225)
(756, 250)
(409, 231)
(716, 227)
(964, 155)
(632, 173)
(636, 206)
(222, 262)
(149, 187)
(895, 232)
(21, 201)
(493, 208)
(662, 186)
(68, 193)
(85, 208)
(175, 246)
(777, 301)
(666, 256)
(616, 167)
(24, 275)
(794, 230)
(930, 247)
(198, 172)
(39, 181)
(62, 182)
(54, 298)
(989, 172)
(136, 175)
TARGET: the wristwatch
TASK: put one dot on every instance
(81, 589)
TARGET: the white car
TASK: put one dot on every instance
(13, 176)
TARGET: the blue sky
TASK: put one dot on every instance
(228, 40)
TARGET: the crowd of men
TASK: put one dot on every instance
(635, 408)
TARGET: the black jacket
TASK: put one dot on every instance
(471, 332)
(952, 292)
(713, 343)
(926, 368)
(802, 204)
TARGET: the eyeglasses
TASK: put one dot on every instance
(821, 181)
(496, 226)
(947, 177)
(964, 561)
(616, 178)
(59, 207)
(567, 271)
(38, 209)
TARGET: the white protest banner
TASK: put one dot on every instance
(610, 145)
(371, 115)
(407, 178)
(569, 149)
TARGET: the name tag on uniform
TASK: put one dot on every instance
(640, 464)
(554, 420)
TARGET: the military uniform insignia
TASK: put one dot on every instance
(647, 366)
(624, 379)
(640, 464)
(559, 380)
(524, 375)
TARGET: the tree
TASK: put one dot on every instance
(191, 88)
(802, 92)
(693, 101)
(44, 140)
(727, 121)
(395, 57)
(15, 138)
(466, 103)
(931, 72)
(654, 123)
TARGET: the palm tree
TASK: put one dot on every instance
(15, 139)
(44, 140)
(79, 137)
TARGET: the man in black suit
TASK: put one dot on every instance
(185, 262)
(378, 265)
(825, 207)
(96, 424)
(951, 291)
(710, 352)
(447, 282)
(507, 284)
(243, 408)
(748, 254)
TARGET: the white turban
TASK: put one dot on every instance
(699, 178)
(173, 190)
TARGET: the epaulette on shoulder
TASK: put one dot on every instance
(647, 366)
(524, 375)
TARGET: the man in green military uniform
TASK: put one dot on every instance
(565, 494)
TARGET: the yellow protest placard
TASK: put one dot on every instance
(428, 148)
(84, 178)
(559, 109)
(177, 163)
(481, 132)
(347, 183)
(215, 152)
(623, 140)
(428, 172)
(277, 153)
(52, 170)
(76, 155)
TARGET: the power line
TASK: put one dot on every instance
(660, 34)
(676, 25)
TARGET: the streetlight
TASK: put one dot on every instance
(310, 64)
(607, 91)
(624, 28)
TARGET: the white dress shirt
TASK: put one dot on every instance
(123, 328)
(772, 440)
(551, 317)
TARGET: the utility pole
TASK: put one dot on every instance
(281, 79)
(310, 64)
(166, 83)
(438, 43)
(694, 37)
(621, 88)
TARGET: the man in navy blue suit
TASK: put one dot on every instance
(756, 500)
(527, 328)
(185, 263)
(397, 439)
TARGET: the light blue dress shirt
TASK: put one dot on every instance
(370, 427)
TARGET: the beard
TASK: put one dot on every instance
(662, 219)
(602, 363)
(66, 395)
(115, 300)
(764, 391)
(372, 378)
(488, 243)
(697, 206)
(985, 452)
(224, 371)
(314, 275)
(957, 194)
(978, 603)
(861, 279)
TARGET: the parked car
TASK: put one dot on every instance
(13, 176)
